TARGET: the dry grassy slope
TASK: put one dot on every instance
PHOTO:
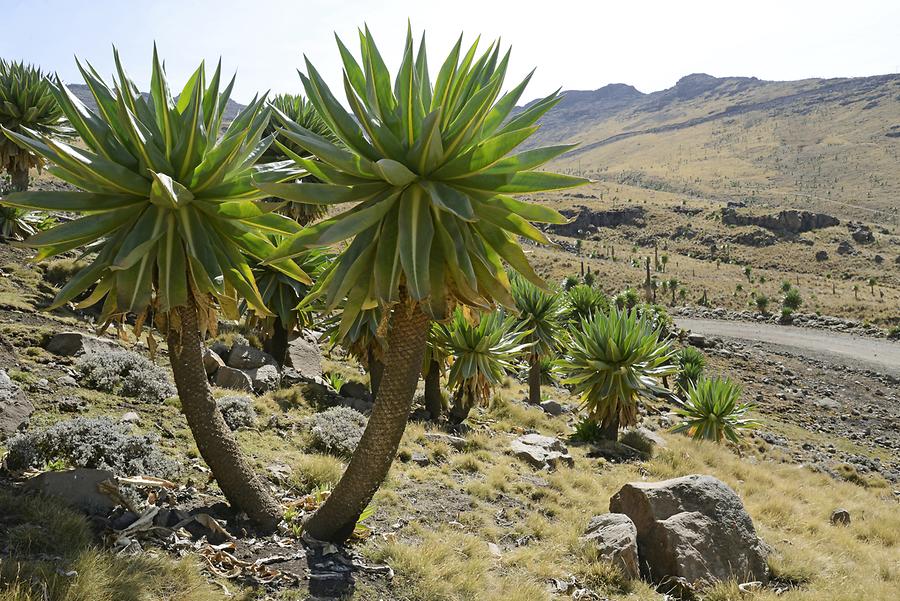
(826, 286)
(819, 144)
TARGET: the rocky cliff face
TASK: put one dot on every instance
(585, 221)
(789, 222)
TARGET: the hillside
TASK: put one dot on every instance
(822, 144)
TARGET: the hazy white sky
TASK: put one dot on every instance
(573, 44)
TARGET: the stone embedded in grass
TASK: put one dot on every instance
(70, 344)
(264, 378)
(14, 408)
(552, 408)
(542, 452)
(455, 442)
(615, 536)
(840, 517)
(693, 528)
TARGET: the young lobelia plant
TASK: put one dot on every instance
(483, 354)
(170, 210)
(613, 360)
(712, 411)
(541, 313)
(428, 165)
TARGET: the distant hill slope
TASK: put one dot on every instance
(232, 108)
(832, 144)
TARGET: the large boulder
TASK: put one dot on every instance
(243, 356)
(212, 361)
(69, 344)
(14, 409)
(233, 379)
(695, 528)
(264, 378)
(615, 537)
(81, 487)
(305, 357)
(542, 452)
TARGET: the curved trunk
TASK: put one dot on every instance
(335, 520)
(460, 409)
(376, 371)
(18, 180)
(434, 401)
(534, 381)
(242, 487)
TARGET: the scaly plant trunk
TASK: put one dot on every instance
(460, 409)
(18, 179)
(434, 401)
(534, 380)
(242, 487)
(376, 370)
(277, 345)
(335, 520)
(610, 430)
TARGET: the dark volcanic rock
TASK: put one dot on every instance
(784, 222)
(586, 220)
(860, 233)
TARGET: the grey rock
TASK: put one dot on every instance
(615, 537)
(694, 527)
(840, 517)
(234, 379)
(280, 472)
(698, 340)
(552, 408)
(221, 349)
(305, 357)
(420, 459)
(264, 379)
(541, 452)
(456, 442)
(69, 344)
(243, 356)
(14, 408)
(78, 488)
(212, 361)
(130, 418)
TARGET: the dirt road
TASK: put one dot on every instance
(855, 351)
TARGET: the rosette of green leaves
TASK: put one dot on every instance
(430, 170)
(27, 103)
(167, 198)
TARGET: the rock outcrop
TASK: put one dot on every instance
(14, 408)
(784, 222)
(585, 221)
(695, 528)
(542, 452)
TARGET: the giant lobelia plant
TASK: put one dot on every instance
(169, 207)
(428, 166)
(26, 104)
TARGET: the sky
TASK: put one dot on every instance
(577, 45)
